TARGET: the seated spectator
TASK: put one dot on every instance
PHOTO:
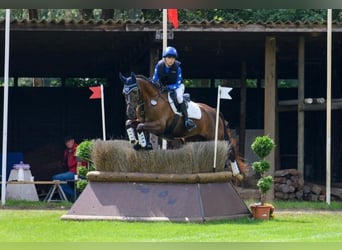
(70, 164)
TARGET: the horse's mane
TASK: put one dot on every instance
(145, 78)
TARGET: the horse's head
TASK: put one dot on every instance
(131, 93)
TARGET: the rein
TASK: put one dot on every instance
(160, 95)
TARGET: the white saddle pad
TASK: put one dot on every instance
(194, 110)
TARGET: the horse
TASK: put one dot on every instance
(149, 109)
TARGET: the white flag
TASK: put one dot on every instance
(224, 93)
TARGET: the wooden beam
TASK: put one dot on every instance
(154, 57)
(301, 73)
(292, 105)
(270, 102)
(323, 106)
(102, 176)
(243, 101)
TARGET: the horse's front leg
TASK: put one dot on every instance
(131, 126)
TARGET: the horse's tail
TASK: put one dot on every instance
(228, 136)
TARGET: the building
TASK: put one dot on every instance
(253, 58)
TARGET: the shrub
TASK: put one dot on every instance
(262, 147)
(83, 152)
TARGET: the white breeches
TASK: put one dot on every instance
(179, 93)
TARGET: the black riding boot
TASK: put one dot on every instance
(189, 124)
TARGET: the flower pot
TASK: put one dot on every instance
(261, 212)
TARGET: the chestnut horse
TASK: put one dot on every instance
(148, 109)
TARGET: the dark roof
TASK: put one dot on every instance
(98, 48)
(148, 25)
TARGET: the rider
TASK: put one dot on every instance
(169, 73)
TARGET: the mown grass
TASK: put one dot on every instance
(45, 225)
(23, 204)
(282, 205)
(308, 205)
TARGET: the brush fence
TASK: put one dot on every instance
(197, 157)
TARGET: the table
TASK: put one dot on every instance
(55, 187)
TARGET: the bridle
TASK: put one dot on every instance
(131, 101)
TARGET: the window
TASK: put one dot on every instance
(288, 83)
(39, 82)
(10, 82)
(197, 83)
(84, 82)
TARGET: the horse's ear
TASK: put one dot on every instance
(122, 78)
(133, 77)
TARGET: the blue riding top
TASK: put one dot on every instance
(168, 76)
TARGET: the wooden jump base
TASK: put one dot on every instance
(158, 197)
(101, 176)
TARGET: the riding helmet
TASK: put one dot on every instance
(170, 51)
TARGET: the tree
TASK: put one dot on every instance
(246, 15)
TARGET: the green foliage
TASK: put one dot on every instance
(10, 81)
(151, 14)
(82, 171)
(83, 150)
(84, 82)
(265, 183)
(91, 167)
(81, 184)
(256, 15)
(39, 205)
(261, 166)
(246, 15)
(262, 146)
(37, 225)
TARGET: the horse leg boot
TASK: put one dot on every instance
(141, 138)
(189, 124)
(149, 145)
(130, 132)
(234, 166)
(131, 135)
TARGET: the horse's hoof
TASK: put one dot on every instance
(137, 146)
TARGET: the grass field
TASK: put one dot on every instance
(316, 223)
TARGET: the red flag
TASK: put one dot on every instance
(173, 17)
(96, 92)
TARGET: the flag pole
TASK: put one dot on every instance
(164, 28)
(328, 122)
(216, 125)
(5, 112)
(103, 114)
(164, 142)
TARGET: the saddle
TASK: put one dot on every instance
(194, 110)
